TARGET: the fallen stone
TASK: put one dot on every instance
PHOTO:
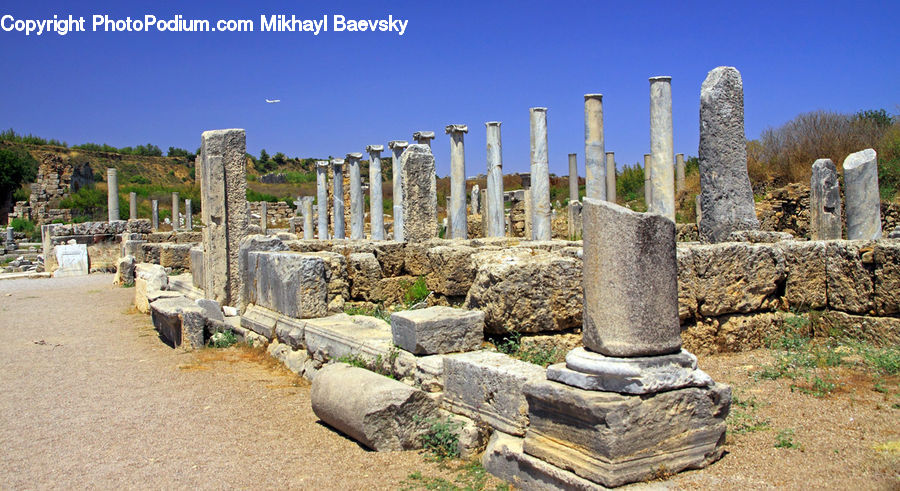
(147, 279)
(824, 202)
(211, 309)
(438, 330)
(72, 260)
(505, 458)
(179, 321)
(287, 282)
(124, 271)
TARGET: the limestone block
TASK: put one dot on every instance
(824, 201)
(451, 270)
(287, 282)
(175, 256)
(393, 290)
(880, 331)
(505, 458)
(134, 248)
(124, 271)
(805, 267)
(380, 413)
(438, 330)
(614, 439)
(179, 321)
(862, 194)
(849, 280)
(390, 256)
(487, 387)
(887, 278)
(732, 333)
(336, 276)
(147, 279)
(365, 274)
(526, 291)
(250, 244)
(211, 309)
(290, 332)
(72, 260)
(260, 320)
(419, 194)
(197, 267)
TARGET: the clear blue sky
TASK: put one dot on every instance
(458, 62)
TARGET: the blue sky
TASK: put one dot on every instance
(458, 62)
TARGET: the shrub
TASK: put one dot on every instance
(22, 225)
(87, 201)
(16, 166)
(442, 438)
(416, 292)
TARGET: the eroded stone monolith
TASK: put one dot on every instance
(376, 203)
(112, 194)
(573, 177)
(595, 168)
(862, 195)
(662, 175)
(188, 215)
(308, 230)
(397, 147)
(611, 177)
(495, 216)
(337, 183)
(540, 176)
(726, 196)
(824, 201)
(154, 214)
(679, 172)
(322, 197)
(457, 210)
(420, 221)
(132, 206)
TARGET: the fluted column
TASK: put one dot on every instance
(337, 183)
(573, 177)
(112, 194)
(357, 205)
(175, 222)
(132, 206)
(611, 177)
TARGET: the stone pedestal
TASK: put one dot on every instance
(357, 204)
(420, 221)
(611, 177)
(132, 206)
(337, 182)
(322, 197)
(457, 210)
(376, 204)
(495, 212)
(112, 194)
(397, 147)
(595, 167)
(662, 175)
(540, 176)
(824, 202)
(862, 195)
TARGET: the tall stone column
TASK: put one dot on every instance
(662, 175)
(357, 204)
(188, 216)
(540, 176)
(824, 201)
(573, 178)
(594, 153)
(457, 213)
(424, 138)
(679, 172)
(322, 197)
(611, 177)
(862, 195)
(495, 221)
(264, 216)
(397, 147)
(420, 221)
(648, 185)
(726, 197)
(376, 203)
(308, 232)
(154, 214)
(337, 183)
(132, 205)
(475, 200)
(176, 223)
(225, 213)
(112, 194)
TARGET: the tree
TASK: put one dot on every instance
(279, 158)
(16, 167)
(263, 156)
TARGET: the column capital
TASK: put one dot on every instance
(322, 164)
(661, 78)
(493, 123)
(398, 144)
(593, 96)
(537, 109)
(374, 148)
(456, 128)
(337, 162)
(354, 156)
(423, 136)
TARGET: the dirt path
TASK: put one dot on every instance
(89, 397)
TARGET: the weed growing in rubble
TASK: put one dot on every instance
(742, 418)
(223, 339)
(785, 439)
(470, 476)
(415, 292)
(512, 345)
(442, 438)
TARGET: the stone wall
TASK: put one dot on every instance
(103, 240)
(277, 214)
(56, 178)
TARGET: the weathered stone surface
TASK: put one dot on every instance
(260, 320)
(251, 243)
(662, 147)
(197, 267)
(726, 197)
(732, 333)
(540, 175)
(179, 321)
(124, 271)
(287, 282)
(887, 278)
(450, 269)
(175, 256)
(211, 309)
(290, 332)
(438, 330)
(758, 236)
(487, 387)
(365, 274)
(147, 279)
(390, 256)
(805, 267)
(505, 458)
(862, 195)
(526, 291)
(614, 439)
(630, 282)
(335, 275)
(848, 269)
(879, 331)
(419, 194)
(824, 201)
(72, 260)
(380, 413)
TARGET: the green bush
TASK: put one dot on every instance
(630, 183)
(22, 225)
(16, 166)
(415, 292)
(87, 201)
(258, 196)
(442, 438)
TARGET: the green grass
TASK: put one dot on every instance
(470, 476)
(415, 292)
(377, 312)
(385, 366)
(512, 345)
(743, 419)
(223, 339)
(785, 439)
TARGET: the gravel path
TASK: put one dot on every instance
(90, 397)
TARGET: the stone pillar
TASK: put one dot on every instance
(611, 177)
(482, 207)
(824, 201)
(662, 175)
(495, 222)
(154, 214)
(648, 185)
(112, 194)
(263, 216)
(188, 216)
(397, 147)
(132, 205)
(475, 200)
(726, 196)
(322, 197)
(449, 218)
(457, 212)
(376, 201)
(574, 221)
(424, 138)
(10, 238)
(679, 172)
(308, 232)
(420, 221)
(224, 212)
(862, 195)
(595, 168)
(573, 178)
(176, 223)
(357, 204)
(540, 176)
(337, 183)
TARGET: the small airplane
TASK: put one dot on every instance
(273, 101)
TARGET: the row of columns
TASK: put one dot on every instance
(112, 204)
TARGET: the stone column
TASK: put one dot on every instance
(595, 168)
(322, 197)
(308, 232)
(726, 196)
(611, 177)
(420, 221)
(376, 203)
(475, 200)
(10, 238)
(337, 183)
(573, 178)
(648, 185)
(424, 138)
(176, 223)
(132, 205)
(154, 214)
(224, 212)
(679, 172)
(495, 222)
(112, 194)
(188, 216)
(662, 175)
(263, 216)
(457, 213)
(862, 195)
(397, 147)
(540, 176)
(357, 204)
(824, 201)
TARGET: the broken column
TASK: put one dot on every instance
(112, 194)
(337, 183)
(308, 232)
(679, 172)
(573, 177)
(824, 201)
(224, 212)
(357, 204)
(862, 195)
(176, 223)
(397, 147)
(376, 203)
(540, 176)
(475, 200)
(726, 196)
(322, 197)
(263, 216)
(648, 186)
(595, 168)
(495, 211)
(420, 221)
(188, 216)
(457, 211)
(132, 205)
(424, 138)
(611, 177)
(154, 214)
(662, 175)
